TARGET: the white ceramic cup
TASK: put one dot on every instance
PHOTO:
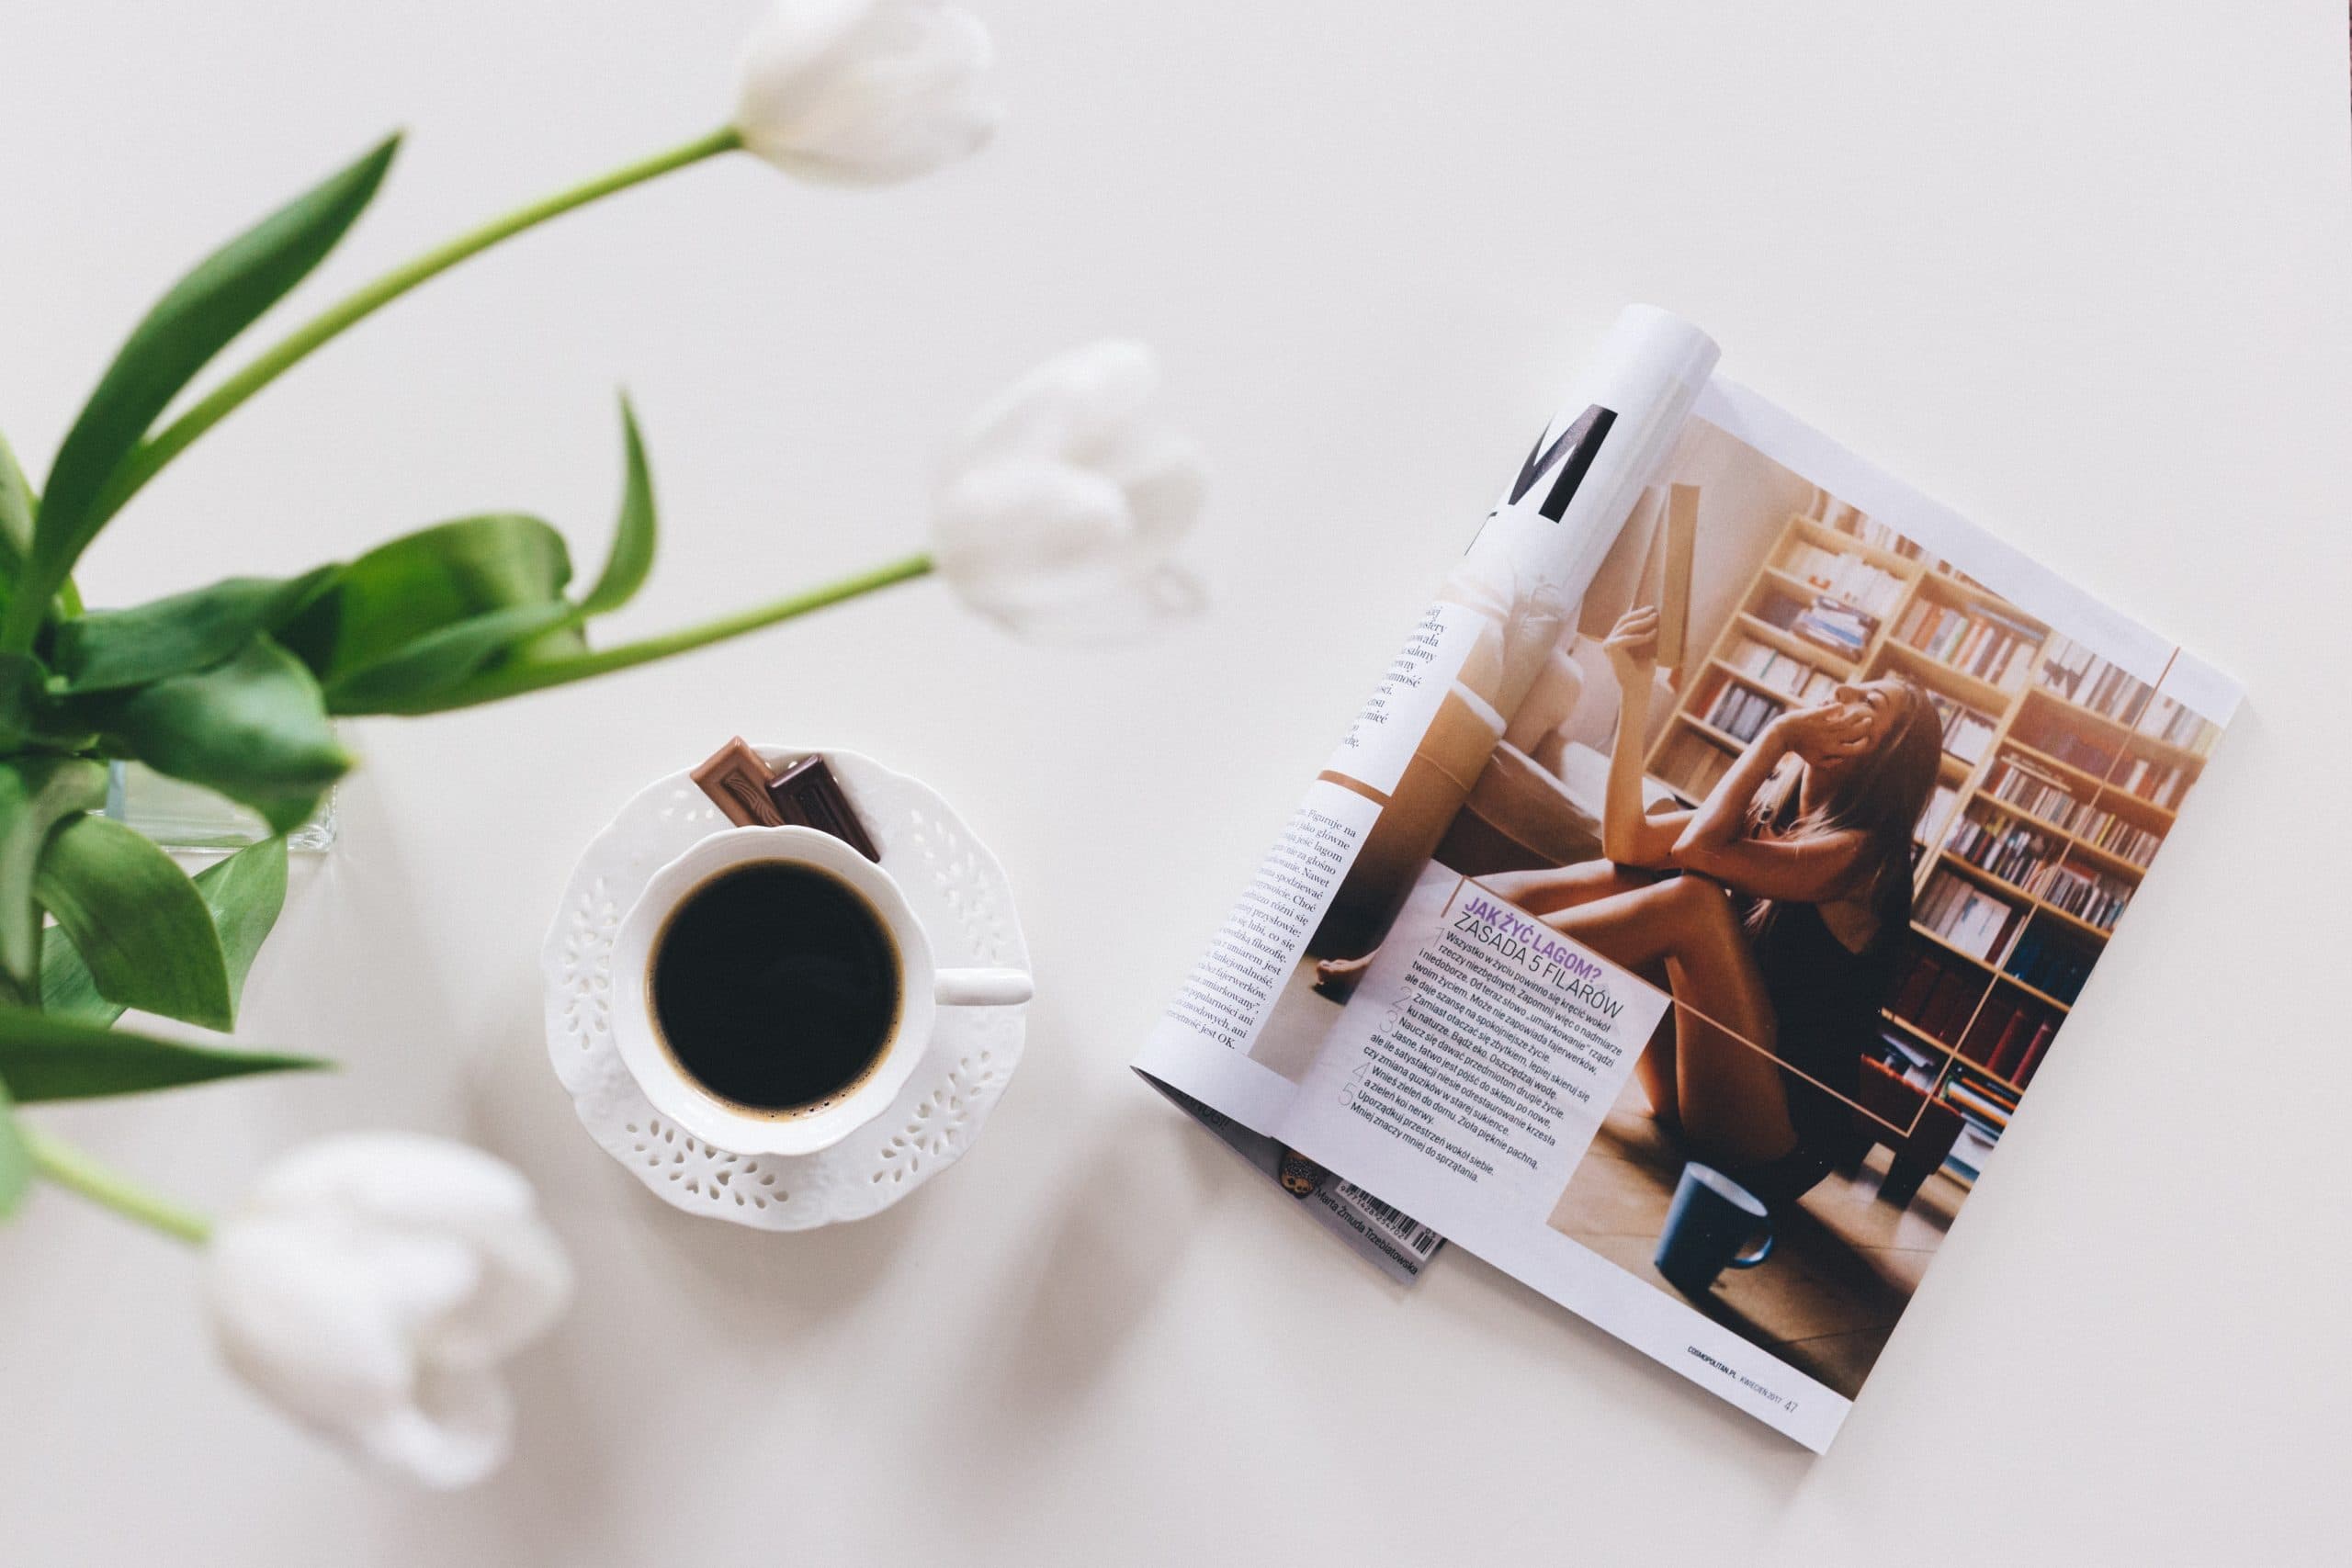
(924, 988)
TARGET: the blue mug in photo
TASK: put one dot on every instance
(1712, 1219)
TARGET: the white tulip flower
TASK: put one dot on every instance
(372, 1284)
(1060, 511)
(865, 92)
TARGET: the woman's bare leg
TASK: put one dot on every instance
(1726, 1092)
(1547, 892)
(1656, 1068)
(1564, 887)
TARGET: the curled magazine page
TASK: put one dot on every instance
(1246, 1023)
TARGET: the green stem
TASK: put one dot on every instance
(514, 680)
(223, 399)
(71, 1168)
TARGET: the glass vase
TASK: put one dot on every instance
(182, 816)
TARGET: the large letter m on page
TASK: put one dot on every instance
(1573, 451)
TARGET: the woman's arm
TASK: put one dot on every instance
(1722, 819)
(1716, 843)
(1814, 869)
(1629, 835)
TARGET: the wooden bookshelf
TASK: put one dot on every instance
(2005, 669)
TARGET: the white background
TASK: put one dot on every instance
(2080, 270)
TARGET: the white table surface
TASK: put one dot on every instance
(2081, 271)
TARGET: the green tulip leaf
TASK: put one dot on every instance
(423, 582)
(253, 728)
(440, 659)
(15, 1159)
(108, 650)
(36, 794)
(24, 705)
(18, 506)
(244, 893)
(44, 1058)
(139, 923)
(418, 617)
(67, 987)
(191, 324)
(633, 535)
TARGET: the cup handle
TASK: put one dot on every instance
(981, 988)
(1762, 1252)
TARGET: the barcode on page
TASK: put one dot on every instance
(1392, 1219)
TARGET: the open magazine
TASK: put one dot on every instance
(1683, 918)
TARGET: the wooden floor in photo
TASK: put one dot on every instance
(1843, 1266)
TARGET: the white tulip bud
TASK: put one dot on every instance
(865, 92)
(371, 1285)
(1060, 510)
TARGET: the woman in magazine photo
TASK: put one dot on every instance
(1774, 913)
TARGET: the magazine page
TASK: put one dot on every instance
(1727, 1105)
(1246, 1023)
(1713, 991)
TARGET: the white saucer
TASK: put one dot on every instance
(957, 891)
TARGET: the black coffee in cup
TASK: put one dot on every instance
(775, 987)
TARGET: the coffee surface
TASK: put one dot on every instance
(775, 987)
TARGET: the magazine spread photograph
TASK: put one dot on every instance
(1682, 920)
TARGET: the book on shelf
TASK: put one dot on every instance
(2120, 839)
(1966, 916)
(2163, 782)
(1839, 628)
(1768, 666)
(1916, 985)
(2166, 720)
(2080, 676)
(2027, 1026)
(2073, 671)
(2159, 783)
(2095, 897)
(2052, 963)
(2071, 746)
(2009, 1034)
(1995, 1013)
(1936, 814)
(2010, 850)
(1743, 714)
(1979, 642)
(2002, 1099)
(2007, 1049)
(1845, 577)
(2048, 800)
(1973, 1149)
(1967, 1096)
(1966, 732)
(1907, 1060)
(1937, 994)
(2029, 1058)
(1692, 765)
(1880, 537)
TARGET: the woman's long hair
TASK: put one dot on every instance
(1880, 796)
